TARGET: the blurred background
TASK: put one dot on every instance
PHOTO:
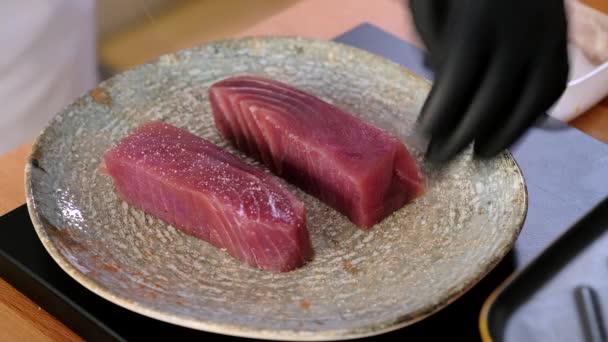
(132, 32)
(55, 50)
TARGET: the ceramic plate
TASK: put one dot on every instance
(360, 283)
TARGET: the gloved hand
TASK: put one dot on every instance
(499, 65)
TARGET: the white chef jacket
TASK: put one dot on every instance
(47, 59)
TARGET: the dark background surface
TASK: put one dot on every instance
(566, 173)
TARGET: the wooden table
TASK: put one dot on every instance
(21, 319)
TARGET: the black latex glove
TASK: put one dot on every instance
(499, 65)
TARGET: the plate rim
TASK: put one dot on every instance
(236, 330)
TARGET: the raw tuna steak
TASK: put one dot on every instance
(356, 168)
(207, 192)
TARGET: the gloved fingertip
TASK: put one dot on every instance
(429, 62)
(486, 152)
(541, 120)
(424, 125)
(437, 154)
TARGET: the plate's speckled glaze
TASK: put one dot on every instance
(409, 266)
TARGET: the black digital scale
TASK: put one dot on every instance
(566, 172)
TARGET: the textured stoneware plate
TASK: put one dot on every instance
(360, 283)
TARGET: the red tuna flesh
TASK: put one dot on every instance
(209, 193)
(354, 167)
